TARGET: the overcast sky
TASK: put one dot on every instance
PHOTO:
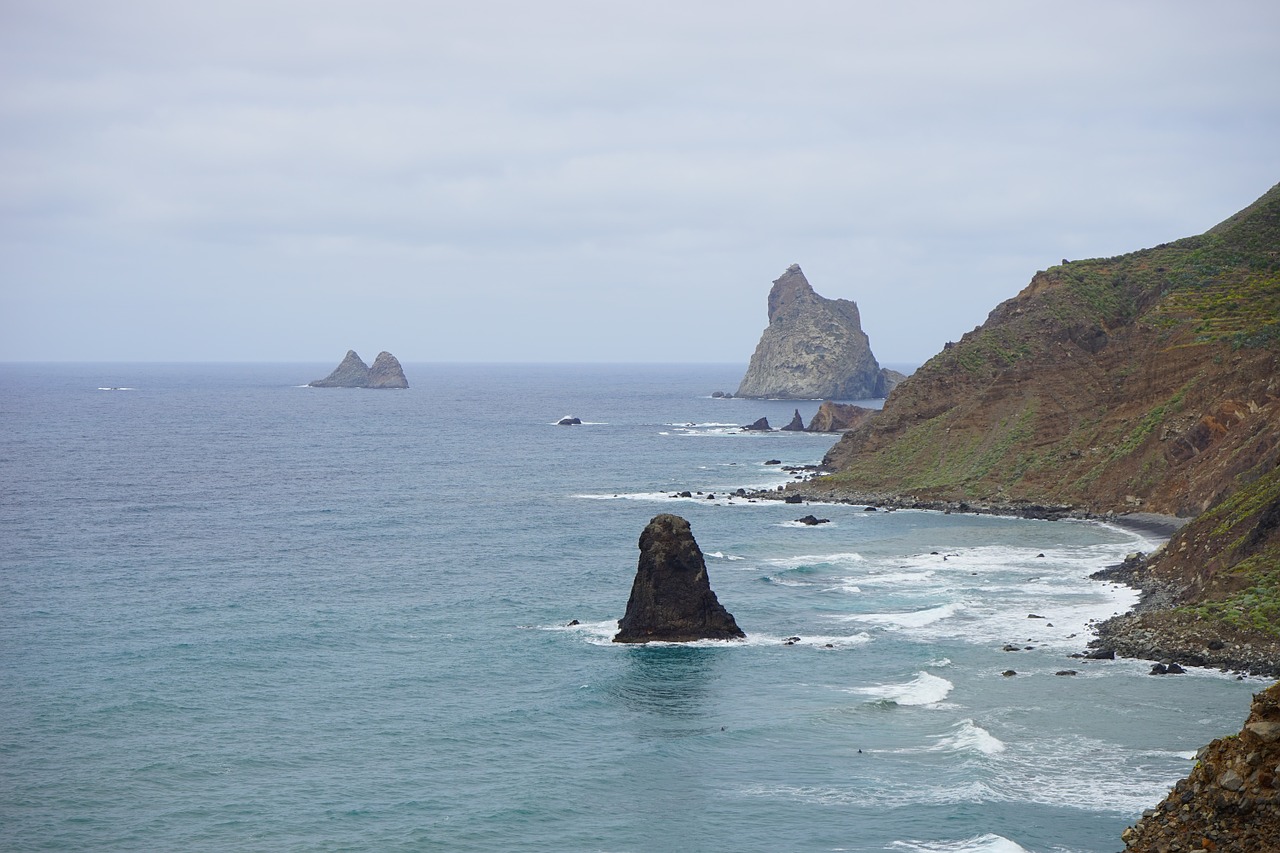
(594, 181)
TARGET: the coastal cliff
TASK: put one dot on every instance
(814, 348)
(1230, 802)
(1147, 382)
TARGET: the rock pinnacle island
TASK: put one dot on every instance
(814, 348)
(671, 598)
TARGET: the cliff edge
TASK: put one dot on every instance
(1230, 802)
(814, 348)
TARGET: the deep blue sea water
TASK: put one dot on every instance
(239, 614)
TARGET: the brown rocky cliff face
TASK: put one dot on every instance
(1148, 381)
(1230, 802)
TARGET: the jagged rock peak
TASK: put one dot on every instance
(813, 348)
(354, 373)
(671, 598)
(386, 372)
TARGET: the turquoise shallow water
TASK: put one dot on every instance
(239, 614)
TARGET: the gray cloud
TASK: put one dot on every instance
(509, 181)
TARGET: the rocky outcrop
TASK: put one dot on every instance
(1230, 802)
(836, 417)
(671, 598)
(814, 348)
(386, 372)
(796, 424)
(759, 425)
(354, 373)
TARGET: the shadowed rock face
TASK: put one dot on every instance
(354, 373)
(814, 348)
(671, 598)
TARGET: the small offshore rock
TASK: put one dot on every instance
(671, 598)
(1009, 673)
(1065, 672)
(759, 425)
(569, 420)
(813, 520)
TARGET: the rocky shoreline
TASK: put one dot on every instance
(1151, 631)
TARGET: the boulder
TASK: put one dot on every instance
(813, 348)
(671, 597)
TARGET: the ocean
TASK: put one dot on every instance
(240, 614)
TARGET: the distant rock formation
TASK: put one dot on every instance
(796, 425)
(834, 417)
(354, 373)
(1228, 802)
(671, 598)
(814, 348)
(386, 372)
(759, 425)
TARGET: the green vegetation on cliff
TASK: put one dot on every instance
(1144, 381)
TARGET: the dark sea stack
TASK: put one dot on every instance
(386, 372)
(351, 373)
(814, 348)
(671, 599)
(1230, 802)
(797, 423)
(759, 425)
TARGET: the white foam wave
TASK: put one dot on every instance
(910, 619)
(970, 737)
(115, 388)
(813, 560)
(988, 843)
(720, 555)
(924, 689)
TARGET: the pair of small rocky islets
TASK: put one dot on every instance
(354, 373)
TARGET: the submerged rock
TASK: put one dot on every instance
(354, 373)
(671, 597)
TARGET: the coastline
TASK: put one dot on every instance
(1152, 630)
